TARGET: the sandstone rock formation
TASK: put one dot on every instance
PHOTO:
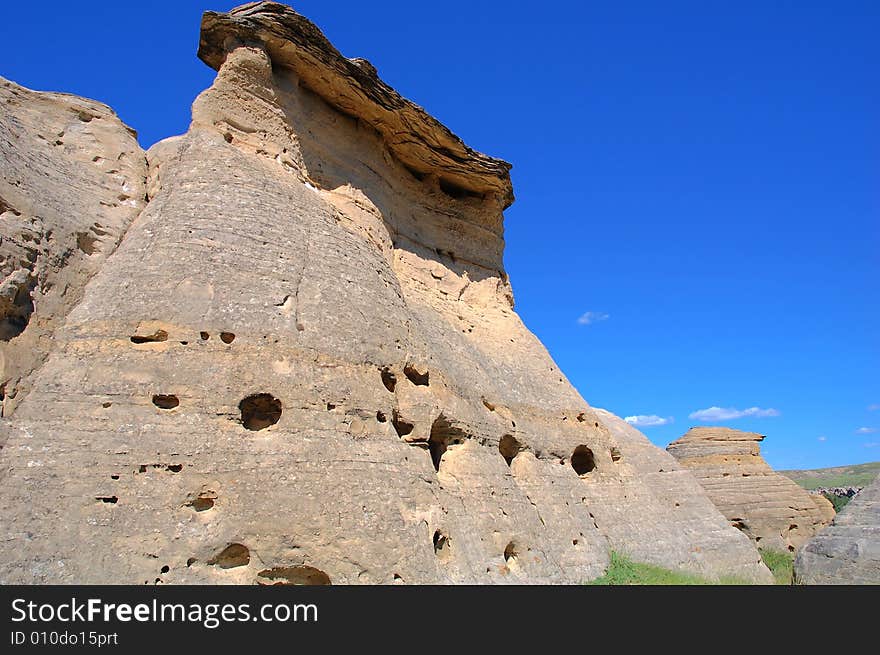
(71, 182)
(848, 550)
(302, 363)
(771, 509)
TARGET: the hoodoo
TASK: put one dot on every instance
(301, 363)
(771, 509)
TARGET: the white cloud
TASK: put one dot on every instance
(648, 421)
(588, 318)
(714, 414)
(823, 438)
(866, 430)
(873, 407)
(871, 444)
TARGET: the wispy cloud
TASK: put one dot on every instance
(822, 438)
(866, 430)
(873, 407)
(714, 414)
(588, 318)
(648, 421)
(871, 444)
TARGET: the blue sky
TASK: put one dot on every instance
(697, 222)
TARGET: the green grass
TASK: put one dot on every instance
(780, 564)
(623, 571)
(858, 475)
(839, 502)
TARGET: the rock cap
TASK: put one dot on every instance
(352, 86)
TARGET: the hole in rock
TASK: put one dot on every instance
(380, 416)
(330, 407)
(413, 375)
(191, 561)
(615, 454)
(401, 426)
(228, 137)
(108, 499)
(202, 502)
(165, 569)
(86, 242)
(509, 447)
(259, 411)
(442, 544)
(227, 337)
(204, 336)
(114, 477)
(510, 552)
(739, 524)
(574, 542)
(294, 575)
(234, 555)
(165, 401)
(106, 405)
(582, 460)
(156, 337)
(454, 191)
(388, 379)
(397, 578)
(488, 405)
(18, 304)
(174, 468)
(416, 174)
(443, 435)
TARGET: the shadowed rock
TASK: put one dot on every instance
(848, 550)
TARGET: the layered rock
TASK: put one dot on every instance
(772, 510)
(302, 365)
(848, 550)
(71, 181)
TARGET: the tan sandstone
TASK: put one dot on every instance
(771, 509)
(71, 182)
(302, 362)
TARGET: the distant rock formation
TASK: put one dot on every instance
(301, 364)
(772, 510)
(848, 550)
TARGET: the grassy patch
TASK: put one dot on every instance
(780, 564)
(623, 571)
(858, 475)
(839, 502)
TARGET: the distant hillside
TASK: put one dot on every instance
(857, 475)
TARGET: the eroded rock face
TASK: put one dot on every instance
(71, 181)
(771, 509)
(848, 550)
(302, 365)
